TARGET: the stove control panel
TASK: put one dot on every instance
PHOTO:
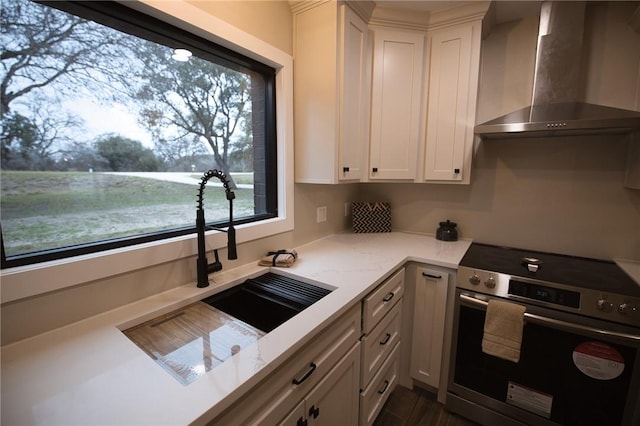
(592, 303)
(619, 308)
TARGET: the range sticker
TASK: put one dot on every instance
(598, 360)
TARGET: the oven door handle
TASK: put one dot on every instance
(559, 323)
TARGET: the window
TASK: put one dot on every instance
(110, 118)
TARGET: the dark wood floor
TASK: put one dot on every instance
(407, 407)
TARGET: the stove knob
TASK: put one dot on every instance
(604, 306)
(490, 282)
(474, 279)
(627, 309)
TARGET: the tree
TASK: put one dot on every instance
(27, 142)
(41, 45)
(192, 108)
(45, 55)
(197, 99)
(79, 155)
(18, 136)
(126, 155)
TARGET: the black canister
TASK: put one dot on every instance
(447, 231)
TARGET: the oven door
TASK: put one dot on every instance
(572, 370)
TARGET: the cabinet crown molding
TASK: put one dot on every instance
(363, 8)
(425, 20)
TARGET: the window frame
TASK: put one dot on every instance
(33, 279)
(140, 24)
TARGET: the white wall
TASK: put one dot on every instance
(561, 194)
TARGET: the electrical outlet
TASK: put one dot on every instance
(347, 209)
(321, 214)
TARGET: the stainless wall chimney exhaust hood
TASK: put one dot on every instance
(555, 110)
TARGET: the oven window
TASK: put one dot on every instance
(546, 367)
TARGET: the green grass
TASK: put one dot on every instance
(44, 210)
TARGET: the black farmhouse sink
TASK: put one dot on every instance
(267, 301)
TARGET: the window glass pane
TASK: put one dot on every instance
(105, 134)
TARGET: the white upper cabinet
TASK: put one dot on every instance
(454, 64)
(395, 103)
(379, 99)
(331, 92)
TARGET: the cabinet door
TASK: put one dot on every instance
(395, 103)
(297, 417)
(269, 402)
(354, 94)
(428, 325)
(332, 62)
(453, 77)
(335, 401)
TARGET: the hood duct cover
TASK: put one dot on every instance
(555, 110)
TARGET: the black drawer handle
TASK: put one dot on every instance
(386, 339)
(437, 277)
(456, 171)
(389, 297)
(312, 368)
(384, 388)
(345, 169)
(314, 411)
(374, 170)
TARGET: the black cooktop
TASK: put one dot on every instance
(574, 271)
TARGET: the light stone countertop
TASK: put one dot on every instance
(89, 373)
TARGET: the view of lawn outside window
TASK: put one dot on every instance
(105, 135)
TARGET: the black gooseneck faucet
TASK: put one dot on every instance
(203, 266)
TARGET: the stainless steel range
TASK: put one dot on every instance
(579, 360)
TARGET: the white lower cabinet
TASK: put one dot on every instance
(381, 300)
(428, 325)
(381, 318)
(372, 398)
(272, 400)
(334, 401)
(343, 376)
(377, 345)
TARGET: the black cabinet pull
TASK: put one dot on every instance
(375, 170)
(437, 277)
(456, 171)
(312, 368)
(301, 422)
(386, 339)
(314, 411)
(384, 388)
(389, 297)
(345, 169)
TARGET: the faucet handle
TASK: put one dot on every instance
(215, 266)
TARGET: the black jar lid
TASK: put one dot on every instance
(448, 223)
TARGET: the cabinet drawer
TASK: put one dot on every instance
(277, 395)
(376, 394)
(382, 300)
(377, 345)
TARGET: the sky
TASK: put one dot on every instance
(101, 119)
